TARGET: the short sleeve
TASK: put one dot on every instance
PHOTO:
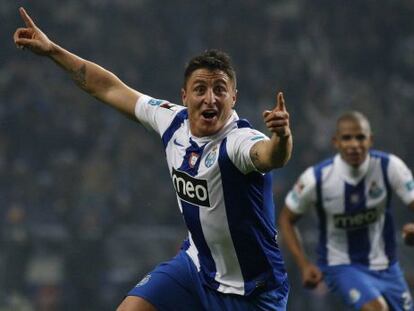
(239, 143)
(401, 179)
(156, 114)
(303, 194)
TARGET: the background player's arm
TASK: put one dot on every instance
(269, 154)
(89, 76)
(311, 275)
(408, 229)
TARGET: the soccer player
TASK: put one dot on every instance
(351, 195)
(220, 169)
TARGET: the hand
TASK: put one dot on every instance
(408, 234)
(277, 120)
(32, 37)
(311, 276)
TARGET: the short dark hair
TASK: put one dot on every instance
(355, 116)
(212, 60)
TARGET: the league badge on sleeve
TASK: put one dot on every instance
(409, 185)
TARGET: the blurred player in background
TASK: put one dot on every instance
(220, 170)
(351, 194)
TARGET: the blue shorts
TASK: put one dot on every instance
(175, 285)
(357, 285)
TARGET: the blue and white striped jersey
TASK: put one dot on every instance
(354, 207)
(226, 203)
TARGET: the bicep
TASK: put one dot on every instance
(287, 216)
(257, 156)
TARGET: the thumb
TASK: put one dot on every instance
(280, 103)
(266, 113)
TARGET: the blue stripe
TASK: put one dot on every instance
(192, 219)
(174, 126)
(322, 247)
(251, 218)
(243, 123)
(195, 150)
(359, 245)
(388, 233)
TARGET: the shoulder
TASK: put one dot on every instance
(388, 159)
(323, 165)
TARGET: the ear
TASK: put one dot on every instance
(234, 98)
(371, 138)
(334, 141)
(183, 97)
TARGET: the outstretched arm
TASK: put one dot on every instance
(274, 153)
(311, 275)
(89, 76)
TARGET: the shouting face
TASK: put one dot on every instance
(209, 97)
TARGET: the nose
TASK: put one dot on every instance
(353, 142)
(210, 97)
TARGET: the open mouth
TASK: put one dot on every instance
(209, 114)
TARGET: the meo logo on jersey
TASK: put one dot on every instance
(350, 221)
(190, 189)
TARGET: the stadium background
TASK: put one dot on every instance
(87, 206)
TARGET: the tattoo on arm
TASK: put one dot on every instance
(254, 154)
(79, 76)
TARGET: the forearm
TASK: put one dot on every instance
(292, 239)
(87, 75)
(280, 150)
(273, 153)
(95, 80)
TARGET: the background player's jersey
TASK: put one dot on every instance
(226, 203)
(353, 207)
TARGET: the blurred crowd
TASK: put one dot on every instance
(87, 207)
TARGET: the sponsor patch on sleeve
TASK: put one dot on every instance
(154, 102)
(409, 185)
(257, 137)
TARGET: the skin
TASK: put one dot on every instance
(210, 92)
(352, 140)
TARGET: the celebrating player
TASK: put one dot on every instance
(351, 195)
(220, 169)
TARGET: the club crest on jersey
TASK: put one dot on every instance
(193, 159)
(211, 157)
(375, 191)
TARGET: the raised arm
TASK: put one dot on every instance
(89, 76)
(311, 275)
(274, 153)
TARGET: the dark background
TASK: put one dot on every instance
(86, 203)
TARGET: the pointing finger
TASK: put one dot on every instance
(280, 104)
(26, 18)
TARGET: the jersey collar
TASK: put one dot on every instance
(230, 124)
(351, 174)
